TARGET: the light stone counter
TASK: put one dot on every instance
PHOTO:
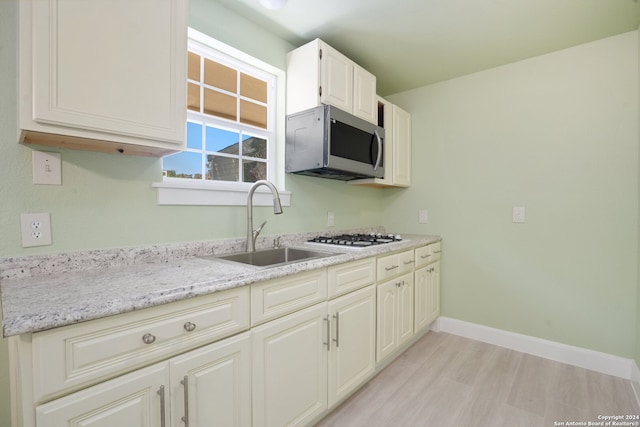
(45, 292)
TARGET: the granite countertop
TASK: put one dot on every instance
(34, 302)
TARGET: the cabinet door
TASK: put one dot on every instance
(401, 147)
(134, 399)
(104, 67)
(387, 319)
(211, 386)
(352, 358)
(434, 291)
(422, 295)
(336, 79)
(290, 368)
(405, 308)
(365, 100)
(427, 296)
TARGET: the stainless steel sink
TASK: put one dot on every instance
(272, 257)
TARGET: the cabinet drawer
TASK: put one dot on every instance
(278, 297)
(351, 276)
(69, 357)
(436, 249)
(427, 254)
(394, 265)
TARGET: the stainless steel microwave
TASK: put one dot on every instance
(329, 143)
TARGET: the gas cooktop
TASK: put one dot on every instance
(356, 241)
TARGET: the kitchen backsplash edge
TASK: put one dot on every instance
(54, 263)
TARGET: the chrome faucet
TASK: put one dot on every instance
(252, 234)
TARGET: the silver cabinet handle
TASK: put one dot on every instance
(409, 262)
(337, 338)
(189, 327)
(425, 256)
(391, 268)
(185, 383)
(162, 409)
(328, 343)
(437, 252)
(148, 338)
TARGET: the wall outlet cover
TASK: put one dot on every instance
(423, 216)
(518, 214)
(35, 229)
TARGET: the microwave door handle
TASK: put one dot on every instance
(379, 159)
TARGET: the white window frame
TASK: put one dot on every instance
(174, 191)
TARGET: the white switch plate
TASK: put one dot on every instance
(331, 219)
(423, 216)
(518, 214)
(46, 167)
(36, 229)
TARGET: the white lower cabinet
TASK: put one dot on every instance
(395, 314)
(307, 361)
(290, 368)
(209, 386)
(316, 338)
(352, 357)
(427, 295)
(135, 399)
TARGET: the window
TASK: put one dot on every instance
(229, 120)
(232, 115)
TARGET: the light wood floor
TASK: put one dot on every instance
(446, 380)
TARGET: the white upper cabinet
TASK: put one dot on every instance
(401, 143)
(104, 75)
(318, 74)
(397, 147)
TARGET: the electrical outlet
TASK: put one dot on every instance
(423, 216)
(47, 168)
(331, 219)
(518, 214)
(36, 229)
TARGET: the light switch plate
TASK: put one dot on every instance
(46, 167)
(518, 214)
(331, 219)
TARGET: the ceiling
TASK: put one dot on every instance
(412, 43)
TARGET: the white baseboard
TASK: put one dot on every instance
(576, 356)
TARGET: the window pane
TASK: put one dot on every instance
(254, 147)
(220, 76)
(222, 141)
(193, 97)
(253, 171)
(183, 165)
(253, 88)
(194, 135)
(193, 67)
(222, 168)
(219, 104)
(253, 114)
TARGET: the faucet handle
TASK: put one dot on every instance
(276, 242)
(259, 229)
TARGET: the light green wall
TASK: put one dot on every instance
(557, 134)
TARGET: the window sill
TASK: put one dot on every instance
(220, 194)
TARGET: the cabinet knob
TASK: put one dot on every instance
(189, 327)
(148, 338)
